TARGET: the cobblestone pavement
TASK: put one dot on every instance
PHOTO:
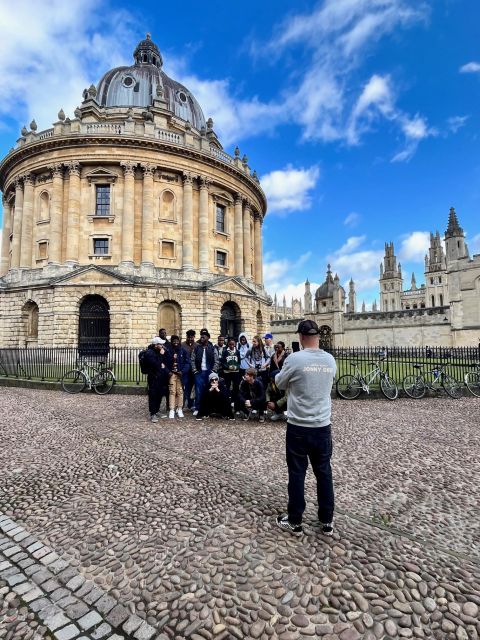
(175, 521)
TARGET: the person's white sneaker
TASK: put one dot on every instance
(195, 413)
(171, 413)
(180, 413)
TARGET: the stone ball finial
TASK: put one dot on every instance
(24, 131)
(92, 91)
(61, 115)
(203, 131)
(33, 125)
(78, 113)
(245, 159)
(209, 124)
(237, 152)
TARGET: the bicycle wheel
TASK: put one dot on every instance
(388, 387)
(74, 381)
(414, 386)
(348, 387)
(103, 382)
(451, 386)
(472, 380)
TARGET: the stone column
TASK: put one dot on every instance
(238, 235)
(187, 250)
(55, 244)
(27, 223)
(17, 223)
(73, 213)
(7, 229)
(247, 241)
(203, 248)
(147, 215)
(258, 249)
(128, 218)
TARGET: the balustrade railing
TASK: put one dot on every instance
(104, 127)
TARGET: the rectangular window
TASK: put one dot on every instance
(100, 246)
(221, 258)
(42, 250)
(220, 218)
(102, 200)
(167, 249)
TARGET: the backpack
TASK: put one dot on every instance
(144, 368)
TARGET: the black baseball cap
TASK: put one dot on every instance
(308, 328)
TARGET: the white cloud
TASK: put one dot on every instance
(361, 264)
(415, 129)
(352, 219)
(289, 189)
(278, 273)
(47, 56)
(474, 244)
(414, 246)
(456, 122)
(470, 67)
(376, 99)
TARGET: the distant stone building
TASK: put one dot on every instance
(129, 217)
(444, 311)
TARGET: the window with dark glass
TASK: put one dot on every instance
(220, 218)
(102, 203)
(100, 246)
(221, 259)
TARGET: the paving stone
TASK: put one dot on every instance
(75, 583)
(100, 632)
(28, 562)
(67, 633)
(16, 579)
(11, 551)
(15, 530)
(34, 547)
(50, 585)
(48, 612)
(87, 586)
(144, 632)
(57, 566)
(18, 557)
(90, 620)
(39, 604)
(58, 594)
(93, 595)
(44, 575)
(57, 621)
(33, 594)
(117, 615)
(105, 604)
(5, 565)
(21, 536)
(23, 587)
(50, 557)
(132, 624)
(40, 553)
(77, 610)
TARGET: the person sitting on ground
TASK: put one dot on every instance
(180, 366)
(276, 398)
(215, 400)
(251, 396)
(230, 366)
(204, 361)
(278, 358)
(158, 364)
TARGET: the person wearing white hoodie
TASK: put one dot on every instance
(243, 347)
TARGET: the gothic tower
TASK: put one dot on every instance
(455, 246)
(391, 281)
(308, 297)
(352, 297)
(436, 290)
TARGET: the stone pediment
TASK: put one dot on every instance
(231, 285)
(100, 174)
(91, 275)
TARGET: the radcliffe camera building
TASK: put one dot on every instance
(129, 217)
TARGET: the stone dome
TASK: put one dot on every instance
(144, 82)
(325, 290)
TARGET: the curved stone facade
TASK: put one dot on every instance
(138, 206)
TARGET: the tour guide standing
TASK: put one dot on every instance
(307, 377)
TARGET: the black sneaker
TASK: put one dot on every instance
(284, 523)
(327, 528)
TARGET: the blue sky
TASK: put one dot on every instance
(360, 116)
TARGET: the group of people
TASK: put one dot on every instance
(236, 375)
(231, 378)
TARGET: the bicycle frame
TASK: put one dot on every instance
(368, 379)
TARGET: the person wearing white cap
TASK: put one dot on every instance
(157, 361)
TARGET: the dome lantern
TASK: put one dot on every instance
(147, 52)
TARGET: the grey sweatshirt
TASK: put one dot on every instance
(308, 376)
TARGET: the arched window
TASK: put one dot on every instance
(167, 205)
(44, 206)
(30, 315)
(169, 317)
(94, 326)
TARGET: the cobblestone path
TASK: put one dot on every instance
(167, 531)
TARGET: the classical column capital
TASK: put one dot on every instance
(188, 178)
(248, 204)
(18, 182)
(128, 167)
(56, 169)
(28, 178)
(238, 198)
(204, 182)
(148, 169)
(73, 168)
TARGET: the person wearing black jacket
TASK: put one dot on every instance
(215, 399)
(158, 362)
(230, 366)
(251, 396)
(204, 361)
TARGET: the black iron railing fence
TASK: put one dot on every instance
(45, 363)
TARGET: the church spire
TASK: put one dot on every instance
(454, 229)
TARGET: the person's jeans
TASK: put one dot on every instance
(314, 444)
(201, 382)
(188, 384)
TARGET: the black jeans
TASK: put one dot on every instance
(302, 444)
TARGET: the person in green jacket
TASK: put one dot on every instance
(230, 366)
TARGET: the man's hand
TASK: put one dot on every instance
(271, 405)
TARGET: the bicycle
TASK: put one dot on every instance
(76, 380)
(415, 386)
(350, 386)
(472, 380)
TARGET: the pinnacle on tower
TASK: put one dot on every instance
(454, 229)
(414, 281)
